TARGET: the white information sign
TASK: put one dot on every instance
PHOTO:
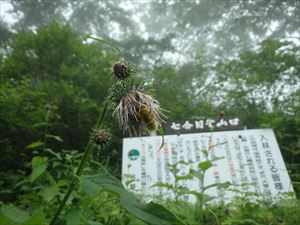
(248, 157)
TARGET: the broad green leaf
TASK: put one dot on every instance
(10, 214)
(150, 213)
(35, 145)
(53, 153)
(38, 217)
(198, 174)
(90, 187)
(184, 177)
(60, 183)
(224, 184)
(220, 185)
(154, 214)
(48, 193)
(21, 183)
(41, 124)
(57, 138)
(39, 165)
(205, 165)
(79, 155)
(73, 217)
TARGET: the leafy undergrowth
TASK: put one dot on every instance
(239, 212)
(106, 209)
(100, 199)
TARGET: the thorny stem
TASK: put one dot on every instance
(80, 168)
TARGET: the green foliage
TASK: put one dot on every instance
(179, 190)
(150, 213)
(205, 165)
(39, 165)
(10, 215)
(264, 93)
(50, 83)
(181, 91)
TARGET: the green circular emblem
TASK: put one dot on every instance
(133, 154)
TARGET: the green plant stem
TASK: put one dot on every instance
(217, 219)
(202, 191)
(80, 168)
(46, 130)
(62, 204)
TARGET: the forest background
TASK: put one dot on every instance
(200, 57)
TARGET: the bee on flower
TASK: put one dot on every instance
(148, 118)
(136, 110)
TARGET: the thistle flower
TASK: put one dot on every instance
(122, 69)
(136, 110)
(101, 136)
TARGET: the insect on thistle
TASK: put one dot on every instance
(148, 118)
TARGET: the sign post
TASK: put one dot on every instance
(251, 161)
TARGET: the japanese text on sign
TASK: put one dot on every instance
(202, 125)
(248, 156)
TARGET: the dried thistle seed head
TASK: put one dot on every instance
(101, 136)
(137, 111)
(121, 69)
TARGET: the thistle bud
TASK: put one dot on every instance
(121, 69)
(101, 136)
